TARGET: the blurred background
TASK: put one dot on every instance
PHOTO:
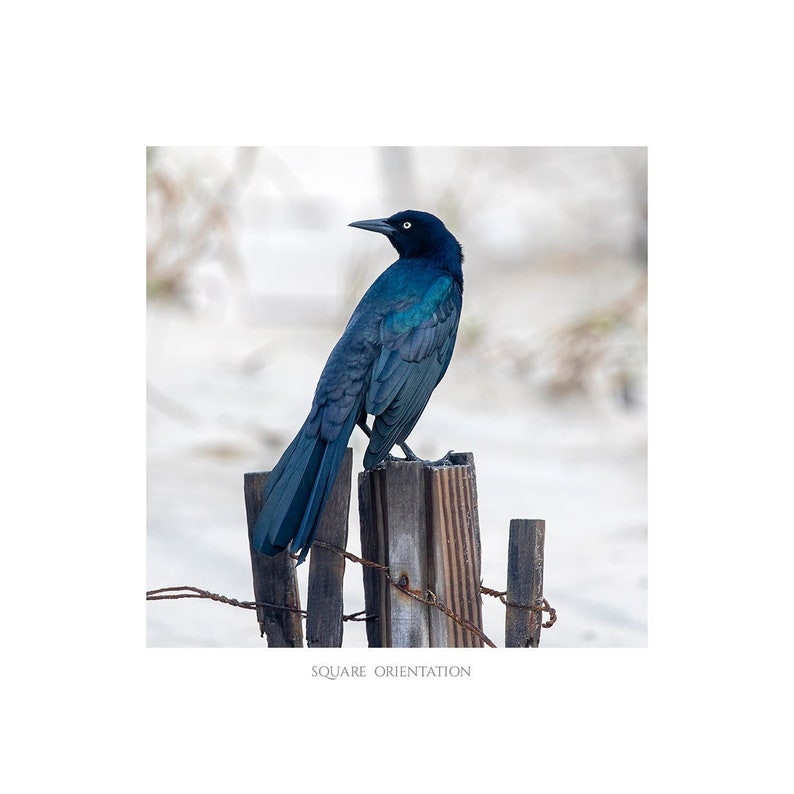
(252, 273)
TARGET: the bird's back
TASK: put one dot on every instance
(416, 337)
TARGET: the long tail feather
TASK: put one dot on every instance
(296, 492)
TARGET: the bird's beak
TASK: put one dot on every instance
(378, 225)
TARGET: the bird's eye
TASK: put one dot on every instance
(407, 225)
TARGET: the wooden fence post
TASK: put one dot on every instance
(454, 541)
(420, 520)
(393, 498)
(324, 601)
(524, 582)
(274, 579)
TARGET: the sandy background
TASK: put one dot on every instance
(252, 274)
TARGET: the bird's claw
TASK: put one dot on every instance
(411, 457)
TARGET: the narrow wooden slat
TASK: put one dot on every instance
(378, 484)
(274, 578)
(393, 533)
(371, 549)
(406, 551)
(524, 582)
(324, 600)
(472, 507)
(442, 629)
(454, 568)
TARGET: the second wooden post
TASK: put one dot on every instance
(420, 520)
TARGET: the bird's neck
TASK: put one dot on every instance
(453, 258)
(448, 256)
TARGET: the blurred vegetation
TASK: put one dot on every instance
(609, 343)
(192, 219)
(520, 209)
(595, 207)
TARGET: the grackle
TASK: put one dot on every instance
(395, 349)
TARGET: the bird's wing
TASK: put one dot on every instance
(416, 347)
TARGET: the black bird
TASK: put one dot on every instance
(395, 349)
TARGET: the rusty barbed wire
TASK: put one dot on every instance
(163, 593)
(428, 597)
(543, 606)
(188, 591)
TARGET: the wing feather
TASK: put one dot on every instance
(416, 348)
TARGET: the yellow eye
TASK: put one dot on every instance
(407, 225)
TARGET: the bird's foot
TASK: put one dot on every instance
(411, 456)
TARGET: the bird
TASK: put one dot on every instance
(393, 352)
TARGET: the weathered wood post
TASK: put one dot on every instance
(274, 579)
(421, 521)
(524, 583)
(393, 522)
(454, 559)
(324, 601)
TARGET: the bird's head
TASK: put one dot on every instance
(415, 234)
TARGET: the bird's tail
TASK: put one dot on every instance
(296, 492)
